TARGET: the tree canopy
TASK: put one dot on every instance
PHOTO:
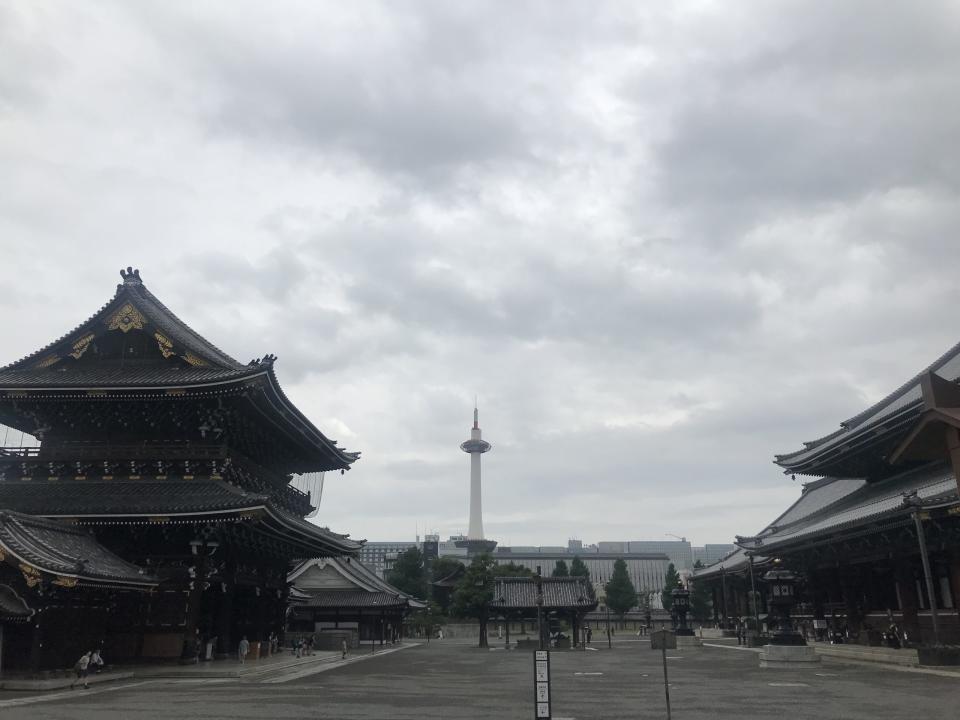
(475, 591)
(561, 569)
(579, 569)
(512, 570)
(621, 594)
(409, 574)
(671, 583)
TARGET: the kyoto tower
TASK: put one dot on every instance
(476, 446)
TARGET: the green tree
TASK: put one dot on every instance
(621, 594)
(512, 570)
(408, 573)
(671, 583)
(579, 569)
(561, 569)
(444, 567)
(474, 593)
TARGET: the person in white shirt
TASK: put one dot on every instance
(81, 668)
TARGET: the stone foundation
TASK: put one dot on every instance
(794, 657)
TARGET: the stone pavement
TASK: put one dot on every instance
(445, 681)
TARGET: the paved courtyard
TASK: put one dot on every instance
(448, 680)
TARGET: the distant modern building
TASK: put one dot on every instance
(711, 553)
(679, 551)
(380, 556)
(647, 570)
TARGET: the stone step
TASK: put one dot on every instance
(864, 653)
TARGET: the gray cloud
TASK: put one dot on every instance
(662, 243)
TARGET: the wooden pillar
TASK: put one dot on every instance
(909, 603)
(506, 621)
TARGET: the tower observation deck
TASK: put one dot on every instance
(476, 446)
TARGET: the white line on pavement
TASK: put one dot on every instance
(331, 666)
(69, 694)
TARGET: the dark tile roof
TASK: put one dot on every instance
(153, 374)
(354, 573)
(124, 497)
(133, 291)
(837, 505)
(66, 551)
(12, 606)
(870, 502)
(906, 400)
(511, 593)
(344, 599)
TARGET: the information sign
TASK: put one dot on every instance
(541, 684)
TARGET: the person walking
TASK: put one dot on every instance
(243, 649)
(81, 668)
(343, 649)
(96, 661)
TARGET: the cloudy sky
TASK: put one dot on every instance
(661, 241)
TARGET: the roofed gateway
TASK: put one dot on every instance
(167, 465)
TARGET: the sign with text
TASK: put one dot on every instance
(541, 684)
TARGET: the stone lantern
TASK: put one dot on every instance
(781, 598)
(681, 604)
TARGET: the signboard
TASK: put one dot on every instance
(663, 640)
(541, 684)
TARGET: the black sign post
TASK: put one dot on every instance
(664, 640)
(541, 684)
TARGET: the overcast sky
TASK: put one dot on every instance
(661, 241)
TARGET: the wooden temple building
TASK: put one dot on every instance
(875, 534)
(334, 598)
(564, 599)
(156, 518)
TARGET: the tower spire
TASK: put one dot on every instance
(476, 446)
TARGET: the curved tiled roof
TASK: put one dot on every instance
(80, 498)
(905, 399)
(520, 593)
(66, 552)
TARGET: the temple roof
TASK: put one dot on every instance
(135, 350)
(68, 553)
(79, 498)
(339, 582)
(12, 606)
(832, 507)
(520, 593)
(876, 430)
(122, 501)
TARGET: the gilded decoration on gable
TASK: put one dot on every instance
(2, 555)
(81, 345)
(47, 361)
(126, 319)
(30, 574)
(67, 582)
(194, 360)
(166, 347)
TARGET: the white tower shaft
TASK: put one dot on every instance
(476, 446)
(476, 502)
